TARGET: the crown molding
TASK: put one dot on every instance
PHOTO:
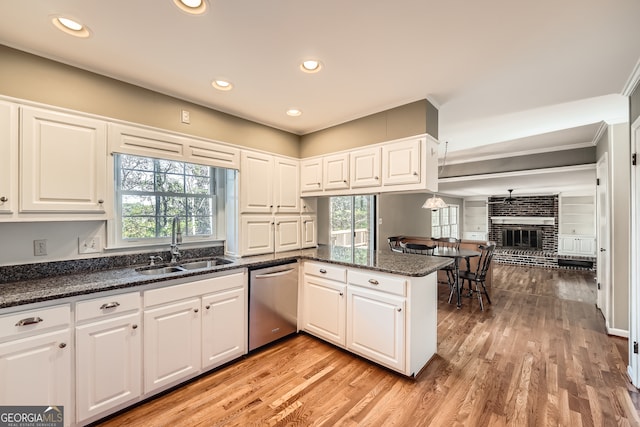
(633, 80)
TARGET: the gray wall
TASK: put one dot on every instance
(634, 105)
(578, 156)
(402, 215)
(34, 78)
(412, 119)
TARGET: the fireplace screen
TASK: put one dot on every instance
(523, 238)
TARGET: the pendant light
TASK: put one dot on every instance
(435, 203)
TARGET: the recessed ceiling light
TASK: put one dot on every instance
(70, 26)
(294, 112)
(222, 85)
(194, 7)
(311, 66)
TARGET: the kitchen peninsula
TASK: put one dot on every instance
(376, 304)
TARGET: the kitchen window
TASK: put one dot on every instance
(352, 221)
(444, 222)
(151, 192)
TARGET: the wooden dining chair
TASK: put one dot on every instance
(394, 243)
(449, 242)
(416, 248)
(479, 275)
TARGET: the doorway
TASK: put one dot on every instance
(603, 300)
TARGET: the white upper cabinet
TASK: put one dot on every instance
(269, 184)
(287, 233)
(336, 172)
(309, 232)
(365, 168)
(256, 182)
(287, 186)
(63, 160)
(401, 162)
(8, 157)
(311, 175)
(140, 141)
(408, 164)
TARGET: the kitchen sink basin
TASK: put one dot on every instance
(195, 265)
(159, 270)
(185, 266)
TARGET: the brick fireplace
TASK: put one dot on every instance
(528, 216)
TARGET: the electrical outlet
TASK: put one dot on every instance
(89, 245)
(40, 247)
(185, 117)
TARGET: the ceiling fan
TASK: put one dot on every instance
(509, 200)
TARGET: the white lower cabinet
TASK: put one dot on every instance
(171, 343)
(191, 327)
(577, 245)
(223, 327)
(386, 318)
(325, 303)
(108, 353)
(35, 359)
(262, 234)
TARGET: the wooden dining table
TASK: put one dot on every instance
(457, 255)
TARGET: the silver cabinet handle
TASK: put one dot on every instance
(3, 199)
(109, 305)
(134, 326)
(62, 345)
(374, 282)
(323, 271)
(29, 321)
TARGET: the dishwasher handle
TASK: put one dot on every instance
(274, 274)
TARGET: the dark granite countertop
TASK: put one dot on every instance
(47, 288)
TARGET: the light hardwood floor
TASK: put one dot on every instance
(538, 356)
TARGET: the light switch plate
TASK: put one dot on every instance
(89, 245)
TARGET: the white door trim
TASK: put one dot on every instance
(603, 300)
(633, 369)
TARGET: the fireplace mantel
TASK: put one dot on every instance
(524, 220)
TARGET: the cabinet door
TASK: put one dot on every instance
(108, 364)
(224, 321)
(586, 246)
(336, 172)
(37, 371)
(256, 182)
(401, 162)
(287, 231)
(287, 186)
(171, 343)
(324, 309)
(309, 205)
(566, 245)
(63, 161)
(365, 168)
(8, 156)
(376, 326)
(309, 233)
(257, 234)
(311, 175)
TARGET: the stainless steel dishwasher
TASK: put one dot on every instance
(273, 303)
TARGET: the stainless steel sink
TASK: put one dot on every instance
(159, 270)
(195, 265)
(185, 266)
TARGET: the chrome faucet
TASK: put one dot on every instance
(176, 239)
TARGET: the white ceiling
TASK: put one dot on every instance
(505, 75)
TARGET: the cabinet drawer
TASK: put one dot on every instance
(381, 282)
(15, 324)
(330, 272)
(107, 306)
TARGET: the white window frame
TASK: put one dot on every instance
(445, 222)
(114, 225)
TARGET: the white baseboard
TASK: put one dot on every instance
(618, 332)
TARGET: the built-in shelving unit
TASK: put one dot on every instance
(577, 225)
(475, 219)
